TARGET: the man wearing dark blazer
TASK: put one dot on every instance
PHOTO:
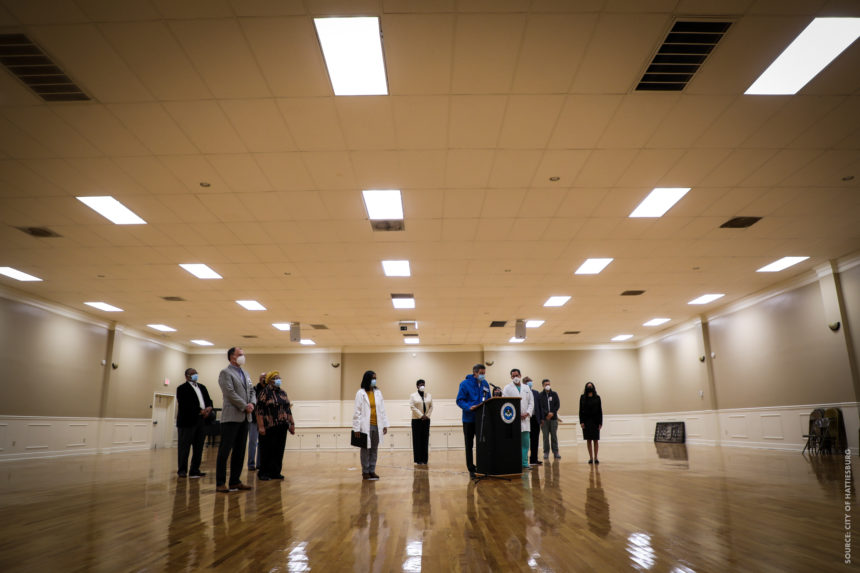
(239, 402)
(193, 407)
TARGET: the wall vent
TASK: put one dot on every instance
(571, 331)
(633, 293)
(740, 222)
(249, 336)
(682, 53)
(498, 323)
(319, 327)
(39, 232)
(173, 298)
(41, 74)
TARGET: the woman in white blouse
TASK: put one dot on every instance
(421, 404)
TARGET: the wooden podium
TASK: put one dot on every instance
(497, 430)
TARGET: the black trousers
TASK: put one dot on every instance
(272, 445)
(191, 438)
(469, 434)
(234, 437)
(420, 440)
(534, 437)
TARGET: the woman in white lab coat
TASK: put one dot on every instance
(367, 418)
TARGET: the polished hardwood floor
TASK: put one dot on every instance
(676, 509)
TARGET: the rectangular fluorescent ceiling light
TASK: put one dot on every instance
(251, 304)
(200, 271)
(592, 266)
(199, 342)
(556, 301)
(810, 52)
(658, 201)
(281, 325)
(411, 340)
(383, 204)
(656, 321)
(111, 209)
(781, 264)
(396, 268)
(17, 275)
(534, 323)
(622, 337)
(403, 302)
(352, 48)
(516, 340)
(706, 298)
(161, 327)
(103, 306)
(307, 342)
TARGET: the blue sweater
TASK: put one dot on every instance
(472, 391)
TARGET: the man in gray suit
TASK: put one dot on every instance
(239, 401)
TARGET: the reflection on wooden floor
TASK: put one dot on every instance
(720, 509)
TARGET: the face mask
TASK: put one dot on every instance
(547, 388)
(277, 383)
(194, 377)
(373, 383)
(589, 390)
(421, 388)
(529, 383)
(241, 360)
(517, 380)
(481, 377)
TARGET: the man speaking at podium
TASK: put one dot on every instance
(473, 391)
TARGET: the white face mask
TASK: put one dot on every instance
(421, 388)
(240, 360)
(517, 380)
(547, 388)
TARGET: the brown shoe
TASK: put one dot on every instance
(373, 476)
(365, 475)
(222, 489)
(239, 487)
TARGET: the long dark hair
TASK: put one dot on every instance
(365, 380)
(585, 390)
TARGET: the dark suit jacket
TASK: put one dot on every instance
(547, 405)
(188, 406)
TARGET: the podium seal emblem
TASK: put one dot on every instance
(508, 413)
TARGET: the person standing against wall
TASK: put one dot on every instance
(421, 405)
(534, 429)
(273, 420)
(239, 399)
(516, 389)
(473, 391)
(591, 420)
(367, 417)
(549, 404)
(193, 407)
(253, 432)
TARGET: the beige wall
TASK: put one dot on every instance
(615, 373)
(672, 374)
(851, 295)
(51, 363)
(779, 352)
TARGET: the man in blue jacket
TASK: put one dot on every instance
(473, 390)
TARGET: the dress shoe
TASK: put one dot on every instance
(365, 475)
(239, 487)
(263, 477)
(373, 476)
(181, 474)
(557, 456)
(222, 489)
(197, 474)
(279, 476)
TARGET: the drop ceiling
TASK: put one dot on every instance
(489, 102)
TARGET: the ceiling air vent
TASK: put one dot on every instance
(39, 232)
(31, 65)
(319, 327)
(387, 225)
(571, 331)
(249, 336)
(633, 293)
(498, 323)
(173, 298)
(682, 53)
(740, 222)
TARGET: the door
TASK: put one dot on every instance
(162, 421)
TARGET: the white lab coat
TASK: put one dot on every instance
(417, 406)
(361, 414)
(527, 403)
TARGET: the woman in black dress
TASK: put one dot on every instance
(591, 420)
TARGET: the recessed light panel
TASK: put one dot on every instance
(396, 268)
(18, 275)
(656, 321)
(103, 306)
(592, 266)
(200, 271)
(161, 327)
(534, 323)
(281, 325)
(781, 264)
(516, 340)
(251, 304)
(622, 337)
(307, 342)
(411, 340)
(200, 342)
(813, 49)
(658, 201)
(556, 301)
(706, 298)
(403, 302)
(352, 48)
(112, 210)
(383, 204)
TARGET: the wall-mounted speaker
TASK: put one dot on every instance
(295, 332)
(520, 329)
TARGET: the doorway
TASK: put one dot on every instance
(162, 421)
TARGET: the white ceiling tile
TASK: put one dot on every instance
(422, 168)
(529, 121)
(367, 122)
(44, 126)
(604, 167)
(330, 170)
(289, 55)
(541, 203)
(109, 10)
(740, 120)
(798, 115)
(553, 46)
(418, 52)
(780, 166)
(468, 167)
(285, 171)
(688, 119)
(102, 129)
(475, 121)
(581, 202)
(40, 12)
(564, 164)
(267, 7)
(152, 125)
(240, 172)
(151, 175)
(463, 203)
(421, 122)
(495, 229)
(21, 180)
(64, 174)
(259, 124)
(562, 229)
(233, 207)
(514, 168)
(193, 8)
(16, 142)
(500, 203)
(344, 204)
(377, 169)
(485, 52)
(693, 167)
(737, 166)
(206, 125)
(826, 170)
(649, 166)
(192, 170)
(313, 123)
(830, 129)
(583, 120)
(636, 119)
(339, 7)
